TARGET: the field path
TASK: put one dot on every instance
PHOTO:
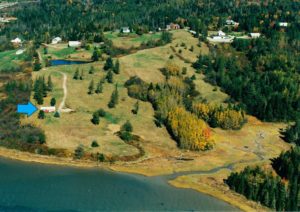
(64, 85)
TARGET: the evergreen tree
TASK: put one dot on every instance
(41, 114)
(96, 119)
(76, 74)
(127, 127)
(136, 107)
(99, 88)
(114, 98)
(92, 70)
(81, 75)
(91, 87)
(56, 114)
(49, 84)
(53, 102)
(116, 68)
(110, 77)
(96, 55)
(108, 64)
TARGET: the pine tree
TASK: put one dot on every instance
(76, 74)
(95, 56)
(41, 114)
(110, 77)
(96, 119)
(99, 88)
(49, 84)
(116, 68)
(92, 70)
(127, 127)
(114, 98)
(108, 64)
(56, 114)
(53, 102)
(136, 108)
(44, 87)
(81, 75)
(91, 87)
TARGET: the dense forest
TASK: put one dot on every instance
(90, 17)
(262, 75)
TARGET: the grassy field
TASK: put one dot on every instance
(131, 40)
(255, 143)
(9, 59)
(62, 51)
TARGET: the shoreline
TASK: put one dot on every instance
(214, 191)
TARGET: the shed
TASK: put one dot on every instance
(254, 35)
(74, 43)
(51, 109)
(56, 40)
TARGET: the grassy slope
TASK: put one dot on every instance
(131, 40)
(257, 142)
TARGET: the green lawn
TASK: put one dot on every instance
(61, 53)
(9, 59)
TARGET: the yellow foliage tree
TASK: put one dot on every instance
(190, 132)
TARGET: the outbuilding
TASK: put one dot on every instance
(56, 40)
(74, 43)
(51, 109)
(254, 35)
(125, 30)
(16, 41)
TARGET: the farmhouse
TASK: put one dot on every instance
(56, 40)
(172, 26)
(283, 24)
(16, 41)
(48, 109)
(74, 44)
(230, 22)
(221, 33)
(125, 30)
(254, 35)
(221, 38)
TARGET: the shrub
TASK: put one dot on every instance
(94, 144)
(41, 114)
(79, 152)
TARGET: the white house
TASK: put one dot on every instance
(20, 51)
(51, 109)
(193, 32)
(56, 40)
(16, 41)
(221, 33)
(74, 43)
(254, 35)
(125, 30)
(283, 24)
(231, 22)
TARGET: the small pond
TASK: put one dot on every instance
(66, 62)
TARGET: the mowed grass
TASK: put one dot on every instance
(131, 40)
(9, 59)
(62, 51)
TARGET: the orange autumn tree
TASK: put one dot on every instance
(189, 131)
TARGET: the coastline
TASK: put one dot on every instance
(216, 190)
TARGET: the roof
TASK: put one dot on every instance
(16, 40)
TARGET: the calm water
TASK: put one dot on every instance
(35, 187)
(65, 62)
